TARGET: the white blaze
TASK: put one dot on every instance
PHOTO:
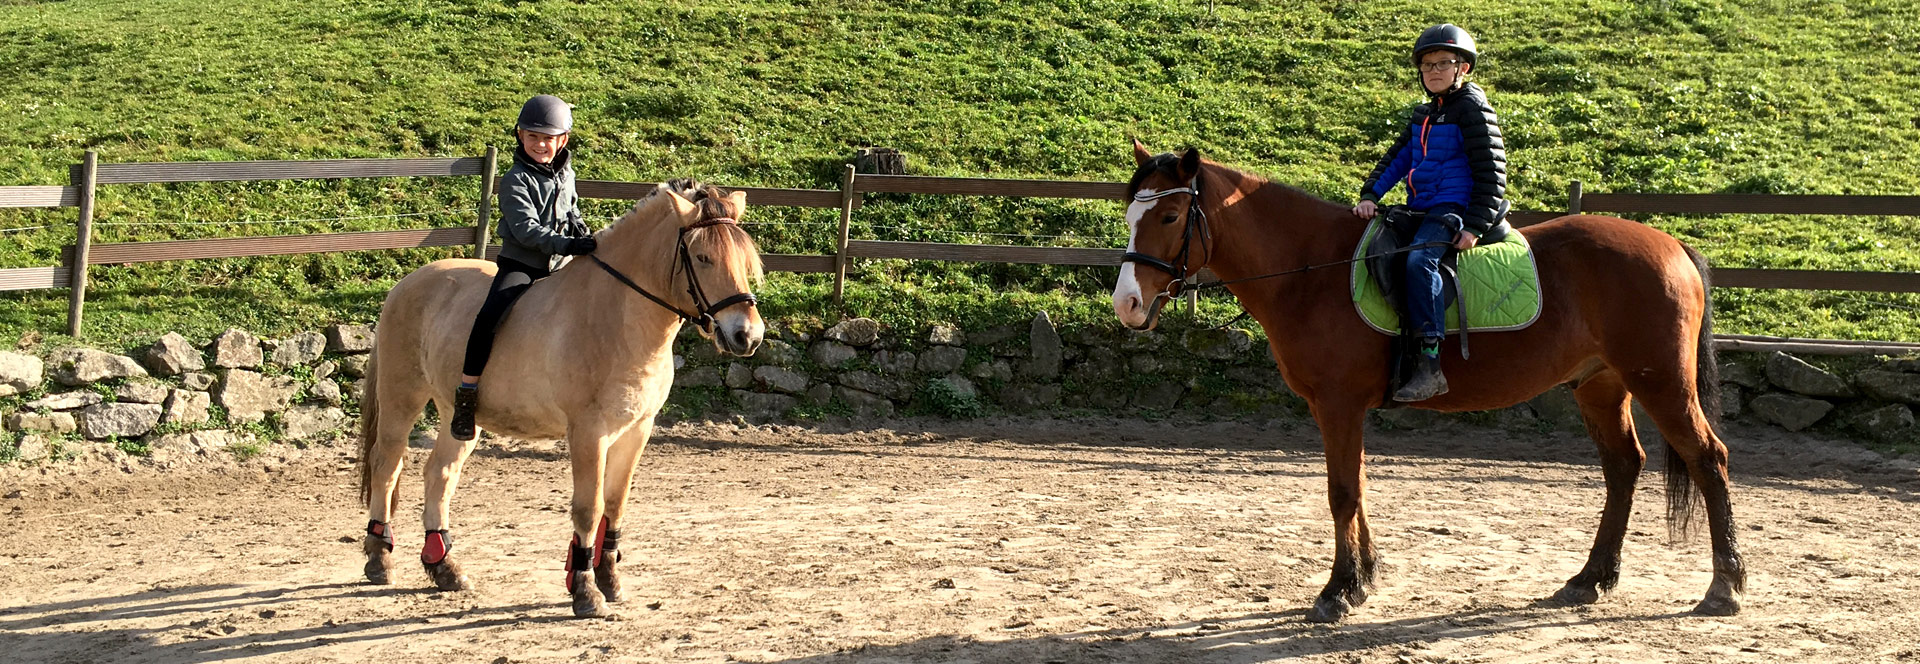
(1128, 303)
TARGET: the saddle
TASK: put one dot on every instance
(1387, 265)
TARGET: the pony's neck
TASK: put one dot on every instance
(1260, 227)
(642, 245)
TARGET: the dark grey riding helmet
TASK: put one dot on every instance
(546, 114)
(1448, 36)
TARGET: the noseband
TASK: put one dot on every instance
(1196, 222)
(703, 316)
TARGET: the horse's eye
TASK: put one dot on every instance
(1170, 219)
(703, 259)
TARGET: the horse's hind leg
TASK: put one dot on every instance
(443, 477)
(384, 456)
(1604, 406)
(621, 459)
(1693, 447)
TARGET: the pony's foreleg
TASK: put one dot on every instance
(443, 477)
(1354, 561)
(1605, 408)
(621, 460)
(588, 451)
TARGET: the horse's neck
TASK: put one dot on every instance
(1264, 228)
(622, 327)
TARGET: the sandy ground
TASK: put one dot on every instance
(991, 541)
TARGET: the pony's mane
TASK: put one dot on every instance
(726, 244)
(1168, 164)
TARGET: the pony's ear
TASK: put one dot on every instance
(1140, 153)
(1190, 163)
(686, 209)
(739, 201)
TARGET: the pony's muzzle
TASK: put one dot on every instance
(738, 335)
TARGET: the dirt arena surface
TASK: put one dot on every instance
(1003, 540)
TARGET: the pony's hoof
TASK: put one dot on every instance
(1576, 594)
(1329, 610)
(379, 571)
(447, 576)
(1718, 605)
(608, 581)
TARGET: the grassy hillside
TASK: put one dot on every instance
(1784, 96)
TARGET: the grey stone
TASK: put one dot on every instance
(65, 401)
(1266, 377)
(865, 404)
(299, 350)
(20, 373)
(196, 443)
(854, 332)
(1790, 412)
(777, 353)
(126, 420)
(781, 379)
(354, 366)
(942, 359)
(236, 349)
(865, 381)
(1909, 364)
(1557, 407)
(894, 362)
(1407, 418)
(1744, 375)
(1163, 395)
(197, 381)
(679, 362)
(186, 407)
(172, 355)
(1219, 344)
(325, 391)
(699, 377)
(307, 422)
(763, 406)
(1142, 341)
(962, 388)
(1889, 386)
(349, 339)
(327, 368)
(739, 376)
(32, 448)
(820, 394)
(141, 393)
(1043, 348)
(1028, 397)
(249, 396)
(995, 370)
(1733, 399)
(357, 390)
(1795, 375)
(946, 335)
(1144, 364)
(1890, 423)
(52, 422)
(993, 336)
(86, 366)
(832, 354)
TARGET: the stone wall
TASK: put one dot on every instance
(176, 399)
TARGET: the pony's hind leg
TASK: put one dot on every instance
(1697, 458)
(443, 477)
(388, 420)
(1604, 406)
(621, 459)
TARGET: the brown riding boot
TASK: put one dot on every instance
(1427, 381)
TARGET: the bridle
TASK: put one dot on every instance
(703, 316)
(1196, 222)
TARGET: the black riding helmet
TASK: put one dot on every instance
(546, 114)
(1448, 36)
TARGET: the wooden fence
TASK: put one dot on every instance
(85, 177)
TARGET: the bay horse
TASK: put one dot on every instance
(586, 355)
(1626, 315)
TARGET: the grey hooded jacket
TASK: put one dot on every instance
(539, 210)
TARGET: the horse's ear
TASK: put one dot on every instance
(1140, 153)
(739, 201)
(1190, 163)
(681, 206)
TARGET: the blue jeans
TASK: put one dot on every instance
(1426, 302)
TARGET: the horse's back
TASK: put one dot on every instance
(431, 308)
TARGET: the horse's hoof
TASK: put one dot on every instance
(1329, 610)
(378, 571)
(1718, 605)
(1576, 594)
(608, 581)
(446, 575)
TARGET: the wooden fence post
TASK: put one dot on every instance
(486, 203)
(1573, 197)
(83, 241)
(840, 248)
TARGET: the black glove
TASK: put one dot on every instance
(581, 245)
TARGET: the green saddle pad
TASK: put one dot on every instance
(1498, 282)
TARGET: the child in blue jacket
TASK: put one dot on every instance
(1455, 166)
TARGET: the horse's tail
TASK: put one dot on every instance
(1706, 377)
(369, 425)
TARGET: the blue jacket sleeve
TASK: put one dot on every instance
(1391, 168)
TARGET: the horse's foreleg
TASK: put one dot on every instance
(1354, 560)
(621, 460)
(1605, 408)
(589, 455)
(443, 477)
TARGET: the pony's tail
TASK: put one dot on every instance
(369, 425)
(1706, 377)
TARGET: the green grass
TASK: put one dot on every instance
(1780, 96)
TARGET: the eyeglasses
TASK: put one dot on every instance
(1443, 65)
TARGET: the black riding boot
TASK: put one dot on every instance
(1427, 381)
(465, 399)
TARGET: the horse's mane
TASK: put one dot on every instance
(1168, 164)
(726, 244)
